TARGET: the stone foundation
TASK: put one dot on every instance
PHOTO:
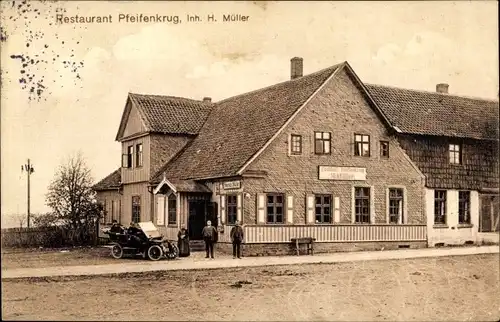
(281, 249)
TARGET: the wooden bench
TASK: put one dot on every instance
(308, 241)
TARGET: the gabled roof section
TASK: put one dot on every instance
(167, 114)
(432, 113)
(238, 127)
(111, 182)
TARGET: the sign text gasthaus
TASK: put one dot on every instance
(122, 18)
(231, 185)
(341, 173)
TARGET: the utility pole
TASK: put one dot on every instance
(29, 170)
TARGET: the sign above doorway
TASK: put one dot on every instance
(228, 185)
(341, 173)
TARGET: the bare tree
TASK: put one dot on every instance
(72, 199)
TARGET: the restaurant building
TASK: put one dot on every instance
(320, 155)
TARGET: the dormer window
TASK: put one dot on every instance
(455, 151)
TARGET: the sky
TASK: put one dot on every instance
(64, 86)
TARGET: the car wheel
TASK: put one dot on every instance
(155, 253)
(117, 251)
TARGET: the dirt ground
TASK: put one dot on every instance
(448, 288)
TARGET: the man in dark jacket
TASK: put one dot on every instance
(237, 237)
(209, 233)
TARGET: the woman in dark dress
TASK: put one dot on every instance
(183, 242)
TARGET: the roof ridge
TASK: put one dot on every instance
(436, 93)
(333, 68)
(169, 96)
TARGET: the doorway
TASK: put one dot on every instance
(196, 220)
(489, 218)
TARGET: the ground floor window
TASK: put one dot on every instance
(323, 209)
(275, 208)
(172, 210)
(464, 207)
(440, 206)
(136, 209)
(231, 208)
(362, 205)
(395, 206)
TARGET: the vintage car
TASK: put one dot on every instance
(144, 240)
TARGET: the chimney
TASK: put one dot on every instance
(207, 100)
(297, 65)
(442, 88)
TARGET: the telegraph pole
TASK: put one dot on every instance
(29, 170)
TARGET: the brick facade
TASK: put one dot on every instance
(342, 109)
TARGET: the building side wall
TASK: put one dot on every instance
(452, 233)
(137, 174)
(341, 109)
(479, 167)
(112, 202)
(137, 189)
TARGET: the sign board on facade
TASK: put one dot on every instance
(341, 173)
(231, 185)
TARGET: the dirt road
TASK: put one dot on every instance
(446, 288)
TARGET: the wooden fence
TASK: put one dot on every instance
(45, 237)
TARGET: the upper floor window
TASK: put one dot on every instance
(395, 206)
(172, 209)
(362, 205)
(455, 151)
(136, 209)
(275, 208)
(384, 149)
(138, 155)
(361, 145)
(130, 154)
(464, 207)
(440, 206)
(231, 208)
(296, 144)
(322, 142)
(323, 209)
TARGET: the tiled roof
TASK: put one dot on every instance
(431, 113)
(112, 181)
(169, 114)
(239, 126)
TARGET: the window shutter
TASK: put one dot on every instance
(289, 209)
(223, 209)
(261, 208)
(239, 209)
(336, 211)
(372, 205)
(160, 211)
(310, 209)
(124, 161)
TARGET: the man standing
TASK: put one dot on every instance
(237, 238)
(209, 236)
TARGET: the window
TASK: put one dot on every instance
(361, 145)
(384, 149)
(323, 209)
(130, 152)
(231, 208)
(455, 154)
(362, 205)
(464, 207)
(138, 155)
(172, 209)
(136, 209)
(296, 144)
(275, 208)
(322, 142)
(395, 206)
(440, 206)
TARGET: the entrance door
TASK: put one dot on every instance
(489, 219)
(196, 220)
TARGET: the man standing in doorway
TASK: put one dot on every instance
(210, 237)
(237, 238)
